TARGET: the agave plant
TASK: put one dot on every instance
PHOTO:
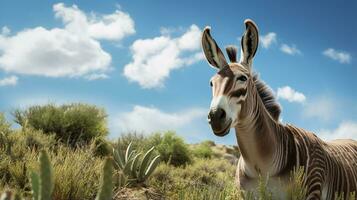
(135, 167)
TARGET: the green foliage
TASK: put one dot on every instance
(295, 189)
(4, 125)
(27, 140)
(263, 191)
(101, 147)
(172, 148)
(203, 150)
(72, 123)
(209, 192)
(138, 141)
(106, 185)
(76, 173)
(135, 168)
(202, 178)
(209, 143)
(342, 196)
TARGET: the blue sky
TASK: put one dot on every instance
(143, 63)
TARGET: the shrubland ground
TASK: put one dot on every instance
(74, 136)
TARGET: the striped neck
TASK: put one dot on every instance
(257, 135)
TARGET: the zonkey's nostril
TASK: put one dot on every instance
(222, 114)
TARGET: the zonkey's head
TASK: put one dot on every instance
(230, 83)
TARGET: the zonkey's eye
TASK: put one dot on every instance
(242, 78)
(211, 84)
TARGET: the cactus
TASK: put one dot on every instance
(106, 185)
(135, 169)
(42, 183)
(35, 185)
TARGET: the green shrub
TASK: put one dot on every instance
(295, 189)
(29, 139)
(172, 148)
(138, 141)
(101, 147)
(209, 143)
(76, 173)
(203, 150)
(4, 125)
(72, 123)
(211, 174)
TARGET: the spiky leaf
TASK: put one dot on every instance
(145, 162)
(128, 152)
(127, 167)
(154, 163)
(119, 160)
(134, 165)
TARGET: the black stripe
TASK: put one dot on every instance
(238, 93)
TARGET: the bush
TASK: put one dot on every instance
(101, 147)
(4, 125)
(4, 132)
(21, 142)
(138, 141)
(203, 150)
(203, 179)
(73, 124)
(172, 148)
(76, 173)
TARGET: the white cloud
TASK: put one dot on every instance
(52, 53)
(5, 30)
(150, 119)
(113, 26)
(321, 108)
(9, 81)
(340, 56)
(290, 94)
(92, 77)
(268, 39)
(155, 58)
(291, 50)
(345, 130)
(72, 51)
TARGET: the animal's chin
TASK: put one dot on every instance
(224, 131)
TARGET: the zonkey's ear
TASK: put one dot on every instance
(249, 42)
(211, 50)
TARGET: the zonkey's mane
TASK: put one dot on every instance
(268, 98)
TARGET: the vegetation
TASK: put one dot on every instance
(136, 169)
(204, 150)
(72, 124)
(36, 163)
(172, 148)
